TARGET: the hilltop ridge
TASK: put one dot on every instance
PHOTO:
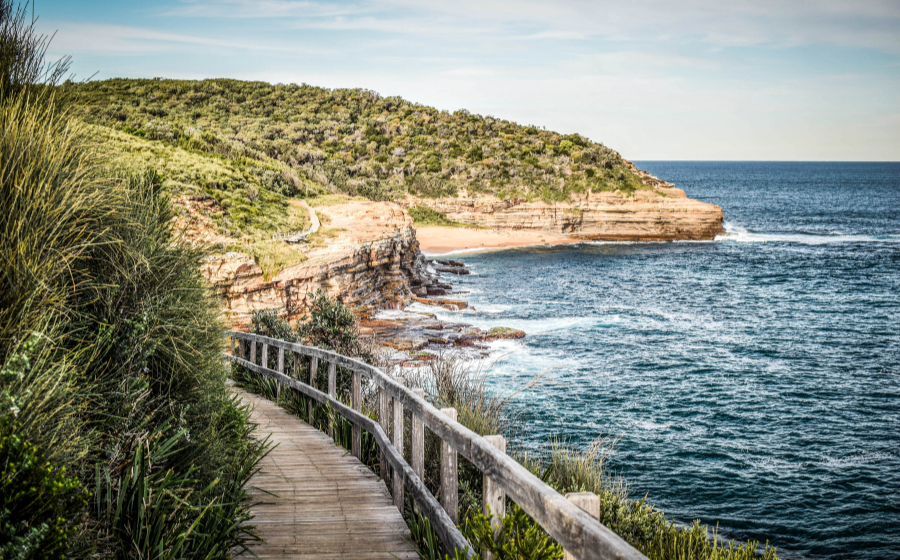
(355, 141)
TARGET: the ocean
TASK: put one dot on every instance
(752, 382)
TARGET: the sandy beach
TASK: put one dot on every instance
(440, 240)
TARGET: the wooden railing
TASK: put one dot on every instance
(571, 520)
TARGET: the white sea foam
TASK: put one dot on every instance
(492, 308)
(393, 315)
(739, 234)
(516, 360)
(530, 326)
(412, 311)
(651, 426)
(464, 251)
(862, 458)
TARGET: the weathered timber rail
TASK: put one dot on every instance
(577, 530)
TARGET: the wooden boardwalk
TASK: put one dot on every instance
(326, 504)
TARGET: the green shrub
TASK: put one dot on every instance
(425, 216)
(331, 325)
(517, 538)
(353, 141)
(109, 344)
(40, 505)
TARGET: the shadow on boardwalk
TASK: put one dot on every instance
(324, 502)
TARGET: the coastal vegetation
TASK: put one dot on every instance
(300, 140)
(118, 435)
(425, 216)
(449, 381)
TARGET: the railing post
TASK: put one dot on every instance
(280, 370)
(399, 499)
(417, 441)
(313, 366)
(297, 366)
(332, 374)
(265, 356)
(493, 498)
(332, 380)
(590, 503)
(384, 406)
(253, 351)
(240, 348)
(449, 475)
(356, 404)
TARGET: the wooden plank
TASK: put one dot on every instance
(446, 529)
(316, 500)
(332, 380)
(384, 405)
(332, 389)
(313, 368)
(493, 498)
(280, 370)
(417, 441)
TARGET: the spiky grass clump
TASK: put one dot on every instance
(111, 380)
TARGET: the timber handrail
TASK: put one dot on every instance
(580, 534)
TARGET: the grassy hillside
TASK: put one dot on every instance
(298, 140)
(247, 202)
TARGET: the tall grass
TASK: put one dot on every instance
(118, 435)
(23, 53)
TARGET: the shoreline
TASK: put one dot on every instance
(443, 240)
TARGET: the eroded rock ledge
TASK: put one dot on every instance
(663, 213)
(371, 262)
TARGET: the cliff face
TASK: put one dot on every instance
(372, 259)
(660, 214)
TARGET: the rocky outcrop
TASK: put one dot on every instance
(370, 261)
(662, 213)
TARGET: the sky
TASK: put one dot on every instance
(655, 80)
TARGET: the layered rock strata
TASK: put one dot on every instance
(371, 260)
(662, 213)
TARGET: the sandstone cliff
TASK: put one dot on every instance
(371, 259)
(662, 213)
(367, 254)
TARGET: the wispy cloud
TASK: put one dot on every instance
(79, 37)
(270, 9)
(654, 78)
(866, 24)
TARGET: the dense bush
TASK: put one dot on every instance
(354, 141)
(118, 435)
(425, 216)
(330, 325)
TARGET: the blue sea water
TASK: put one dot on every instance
(752, 382)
